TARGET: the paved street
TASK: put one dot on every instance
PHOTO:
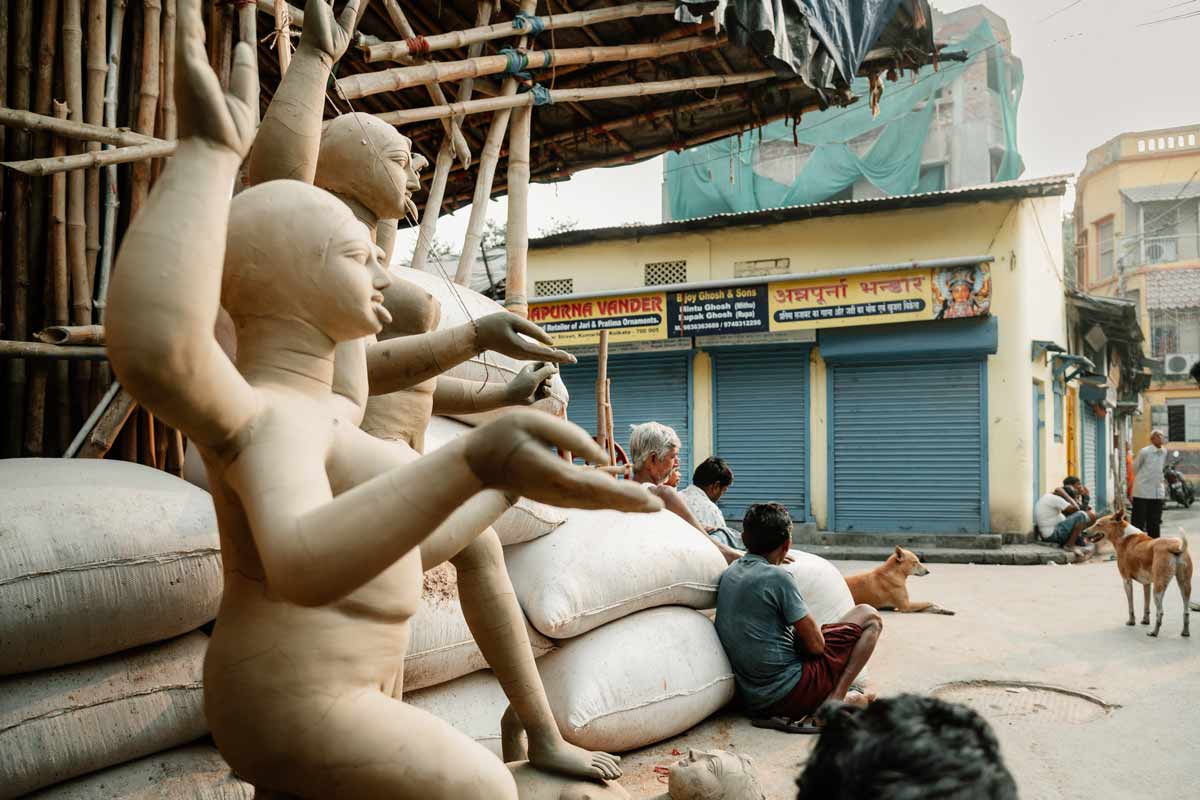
(1057, 625)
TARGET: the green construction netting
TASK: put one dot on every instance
(721, 176)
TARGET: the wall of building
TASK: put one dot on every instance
(1027, 301)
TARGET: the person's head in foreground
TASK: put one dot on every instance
(714, 775)
(654, 451)
(908, 747)
(767, 531)
(713, 477)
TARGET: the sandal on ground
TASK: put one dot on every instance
(787, 725)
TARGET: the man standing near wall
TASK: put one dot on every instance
(1148, 490)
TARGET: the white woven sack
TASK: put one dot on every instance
(195, 772)
(824, 591)
(441, 647)
(527, 519)
(600, 566)
(461, 305)
(99, 556)
(472, 704)
(639, 680)
(59, 724)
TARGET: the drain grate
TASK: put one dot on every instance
(1000, 700)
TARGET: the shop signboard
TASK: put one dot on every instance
(874, 298)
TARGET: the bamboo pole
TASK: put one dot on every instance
(112, 197)
(225, 47)
(18, 239)
(409, 116)
(161, 437)
(147, 100)
(28, 120)
(489, 158)
(90, 423)
(63, 334)
(28, 350)
(445, 160)
(81, 285)
(101, 158)
(99, 440)
(129, 439)
(97, 70)
(602, 392)
(296, 20)
(390, 51)
(4, 20)
(60, 281)
(283, 35)
(43, 104)
(146, 450)
(608, 422)
(168, 117)
(400, 23)
(391, 80)
(35, 411)
(248, 32)
(175, 453)
(516, 238)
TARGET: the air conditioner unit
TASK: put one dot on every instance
(1179, 363)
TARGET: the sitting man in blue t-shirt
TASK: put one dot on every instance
(786, 665)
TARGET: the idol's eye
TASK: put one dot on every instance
(359, 254)
(401, 157)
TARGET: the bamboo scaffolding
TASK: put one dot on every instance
(296, 19)
(161, 437)
(112, 197)
(146, 450)
(60, 280)
(52, 165)
(608, 422)
(409, 116)
(30, 121)
(43, 96)
(93, 418)
(97, 70)
(445, 160)
(516, 239)
(248, 32)
(63, 334)
(128, 438)
(99, 439)
(602, 392)
(489, 158)
(147, 98)
(81, 285)
(400, 22)
(31, 350)
(175, 453)
(392, 80)
(35, 411)
(283, 35)
(225, 47)
(18, 231)
(168, 116)
(390, 51)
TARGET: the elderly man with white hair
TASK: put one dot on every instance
(654, 450)
(1149, 494)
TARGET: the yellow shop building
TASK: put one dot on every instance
(893, 364)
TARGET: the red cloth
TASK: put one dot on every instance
(821, 673)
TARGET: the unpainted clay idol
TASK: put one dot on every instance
(194, 772)
(461, 305)
(99, 556)
(599, 566)
(63, 723)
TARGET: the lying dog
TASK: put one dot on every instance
(884, 586)
(1147, 561)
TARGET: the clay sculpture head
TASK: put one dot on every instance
(368, 162)
(714, 775)
(277, 232)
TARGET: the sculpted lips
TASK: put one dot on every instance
(381, 313)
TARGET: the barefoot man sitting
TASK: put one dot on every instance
(786, 665)
(322, 528)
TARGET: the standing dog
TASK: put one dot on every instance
(1147, 561)
(884, 586)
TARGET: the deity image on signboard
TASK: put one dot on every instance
(961, 292)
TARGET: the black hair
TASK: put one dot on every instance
(765, 527)
(712, 470)
(1071, 480)
(1195, 373)
(908, 747)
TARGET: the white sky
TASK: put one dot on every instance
(1090, 73)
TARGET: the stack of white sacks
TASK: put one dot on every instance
(613, 602)
(107, 570)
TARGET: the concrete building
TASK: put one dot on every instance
(878, 365)
(1137, 222)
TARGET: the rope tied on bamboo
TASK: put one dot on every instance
(528, 22)
(418, 46)
(518, 62)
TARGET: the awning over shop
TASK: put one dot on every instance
(1162, 193)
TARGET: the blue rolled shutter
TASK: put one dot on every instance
(645, 387)
(760, 426)
(907, 447)
(1088, 420)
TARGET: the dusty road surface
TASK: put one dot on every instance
(1058, 625)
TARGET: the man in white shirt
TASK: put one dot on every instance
(1149, 494)
(1060, 520)
(710, 481)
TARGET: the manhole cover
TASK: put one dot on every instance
(997, 700)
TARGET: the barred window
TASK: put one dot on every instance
(554, 287)
(665, 273)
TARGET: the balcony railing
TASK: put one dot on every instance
(1141, 251)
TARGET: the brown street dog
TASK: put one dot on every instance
(884, 586)
(1149, 562)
